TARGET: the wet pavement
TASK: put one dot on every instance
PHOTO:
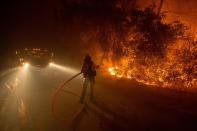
(26, 104)
(26, 95)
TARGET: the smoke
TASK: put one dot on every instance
(184, 10)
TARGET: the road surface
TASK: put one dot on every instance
(122, 105)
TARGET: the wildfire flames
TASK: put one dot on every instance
(116, 72)
(141, 44)
(176, 70)
(160, 54)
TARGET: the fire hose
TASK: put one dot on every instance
(54, 99)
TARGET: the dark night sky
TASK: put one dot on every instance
(25, 23)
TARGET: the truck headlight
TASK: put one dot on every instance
(26, 65)
(51, 64)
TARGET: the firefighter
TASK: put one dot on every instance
(89, 73)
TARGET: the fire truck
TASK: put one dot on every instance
(36, 57)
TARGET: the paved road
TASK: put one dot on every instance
(26, 94)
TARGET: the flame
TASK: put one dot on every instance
(110, 69)
(177, 70)
(115, 71)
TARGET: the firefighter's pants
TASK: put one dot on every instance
(85, 85)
